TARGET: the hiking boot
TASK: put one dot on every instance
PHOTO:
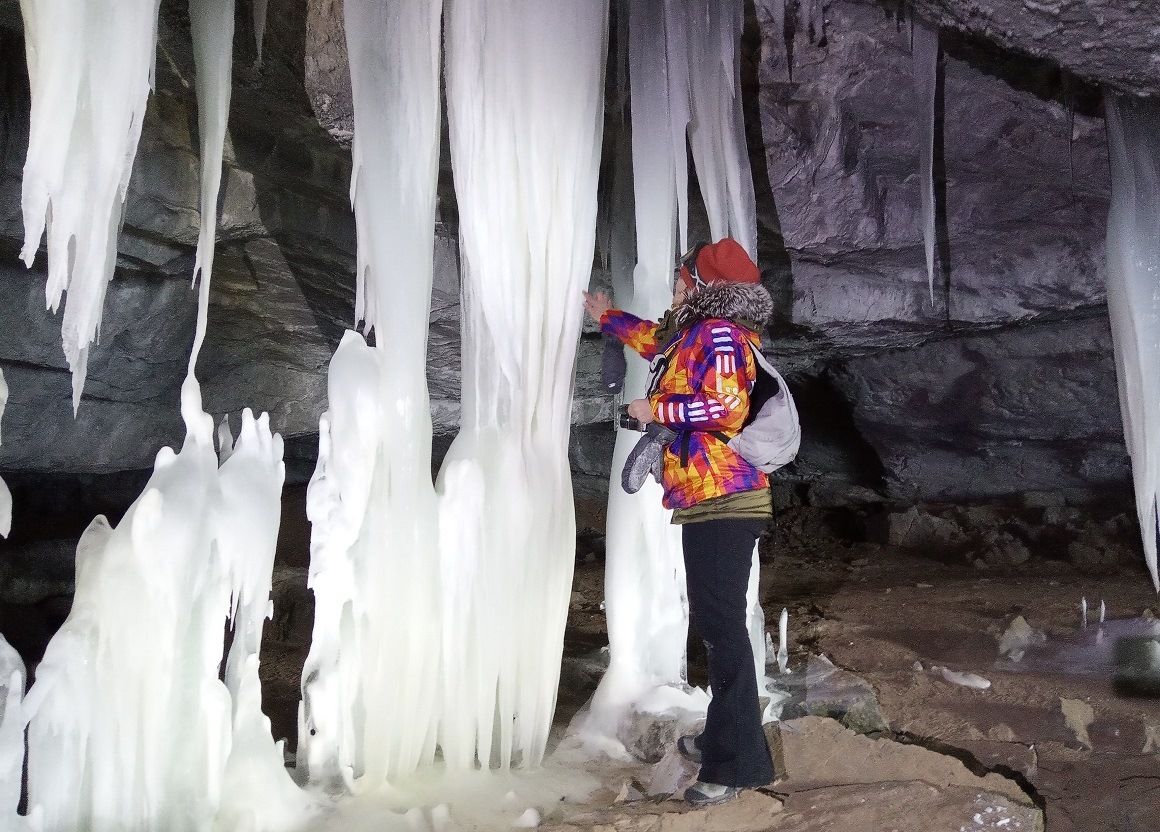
(709, 794)
(687, 748)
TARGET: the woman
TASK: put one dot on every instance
(704, 372)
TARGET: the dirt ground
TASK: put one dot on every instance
(1086, 755)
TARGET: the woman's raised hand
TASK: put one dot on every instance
(596, 304)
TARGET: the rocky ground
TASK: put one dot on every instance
(889, 610)
(887, 741)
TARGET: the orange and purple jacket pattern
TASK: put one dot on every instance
(702, 395)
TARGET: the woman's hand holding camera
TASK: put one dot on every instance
(641, 410)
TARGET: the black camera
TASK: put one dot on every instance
(627, 422)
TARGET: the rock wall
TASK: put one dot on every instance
(1003, 384)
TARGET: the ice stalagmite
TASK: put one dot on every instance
(369, 685)
(924, 58)
(90, 67)
(525, 99)
(1133, 248)
(644, 587)
(5, 494)
(11, 735)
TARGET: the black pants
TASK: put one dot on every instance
(718, 556)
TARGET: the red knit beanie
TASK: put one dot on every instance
(724, 260)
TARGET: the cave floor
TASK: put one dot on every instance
(1064, 742)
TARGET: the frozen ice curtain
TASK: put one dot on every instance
(440, 616)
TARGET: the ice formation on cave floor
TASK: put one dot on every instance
(5, 494)
(1133, 274)
(82, 140)
(371, 502)
(679, 85)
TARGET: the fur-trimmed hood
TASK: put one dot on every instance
(749, 304)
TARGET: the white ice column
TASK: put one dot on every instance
(644, 589)
(1133, 248)
(525, 99)
(90, 67)
(370, 697)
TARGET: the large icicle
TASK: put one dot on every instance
(717, 129)
(644, 587)
(369, 684)
(1133, 248)
(524, 92)
(5, 494)
(924, 59)
(90, 67)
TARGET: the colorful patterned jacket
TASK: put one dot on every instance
(703, 389)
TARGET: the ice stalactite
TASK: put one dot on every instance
(924, 59)
(1133, 250)
(259, 10)
(645, 599)
(5, 494)
(90, 68)
(717, 128)
(370, 701)
(212, 28)
(525, 99)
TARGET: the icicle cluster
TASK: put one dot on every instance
(5, 494)
(130, 725)
(374, 565)
(682, 84)
(1133, 249)
(90, 67)
(525, 99)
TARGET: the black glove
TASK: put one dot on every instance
(613, 365)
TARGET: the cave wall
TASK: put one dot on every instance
(1003, 385)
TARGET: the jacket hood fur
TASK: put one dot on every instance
(746, 303)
